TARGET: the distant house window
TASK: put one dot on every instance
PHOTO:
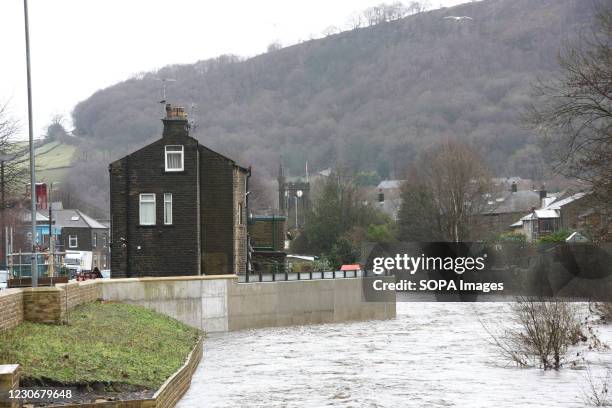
(104, 265)
(95, 261)
(73, 241)
(104, 240)
(174, 158)
(168, 209)
(147, 209)
(240, 218)
(94, 241)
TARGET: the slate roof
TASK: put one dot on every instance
(75, 219)
(520, 201)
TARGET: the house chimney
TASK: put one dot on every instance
(175, 122)
(542, 192)
(514, 187)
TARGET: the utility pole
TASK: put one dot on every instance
(2, 219)
(51, 236)
(31, 140)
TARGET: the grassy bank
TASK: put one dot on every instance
(108, 343)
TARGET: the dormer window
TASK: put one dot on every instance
(174, 158)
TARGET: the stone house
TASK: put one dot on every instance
(177, 208)
(79, 232)
(560, 214)
(504, 208)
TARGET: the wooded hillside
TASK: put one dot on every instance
(370, 97)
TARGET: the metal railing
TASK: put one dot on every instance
(20, 266)
(288, 275)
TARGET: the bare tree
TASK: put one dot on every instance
(13, 156)
(453, 180)
(573, 111)
(540, 334)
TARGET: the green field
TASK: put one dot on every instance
(108, 343)
(53, 159)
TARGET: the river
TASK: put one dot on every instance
(431, 355)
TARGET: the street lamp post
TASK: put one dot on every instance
(31, 140)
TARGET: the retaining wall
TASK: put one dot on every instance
(11, 308)
(210, 303)
(269, 304)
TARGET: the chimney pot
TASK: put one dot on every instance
(175, 122)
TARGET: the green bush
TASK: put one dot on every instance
(555, 237)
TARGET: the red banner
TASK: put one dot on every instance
(41, 196)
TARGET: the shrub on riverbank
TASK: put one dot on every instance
(541, 333)
(102, 343)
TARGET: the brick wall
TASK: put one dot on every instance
(11, 308)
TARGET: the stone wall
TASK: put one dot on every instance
(9, 380)
(46, 304)
(11, 308)
(77, 293)
(43, 305)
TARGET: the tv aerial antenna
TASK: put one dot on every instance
(164, 82)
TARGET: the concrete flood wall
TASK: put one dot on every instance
(269, 304)
(199, 301)
(210, 303)
(220, 303)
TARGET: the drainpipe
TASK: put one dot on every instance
(128, 261)
(248, 219)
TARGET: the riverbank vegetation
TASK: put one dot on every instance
(115, 345)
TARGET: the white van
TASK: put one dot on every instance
(3, 279)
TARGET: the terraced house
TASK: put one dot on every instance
(177, 208)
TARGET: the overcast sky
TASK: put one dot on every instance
(80, 46)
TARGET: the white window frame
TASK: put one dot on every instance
(181, 152)
(168, 200)
(76, 241)
(240, 215)
(94, 240)
(147, 201)
(104, 240)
